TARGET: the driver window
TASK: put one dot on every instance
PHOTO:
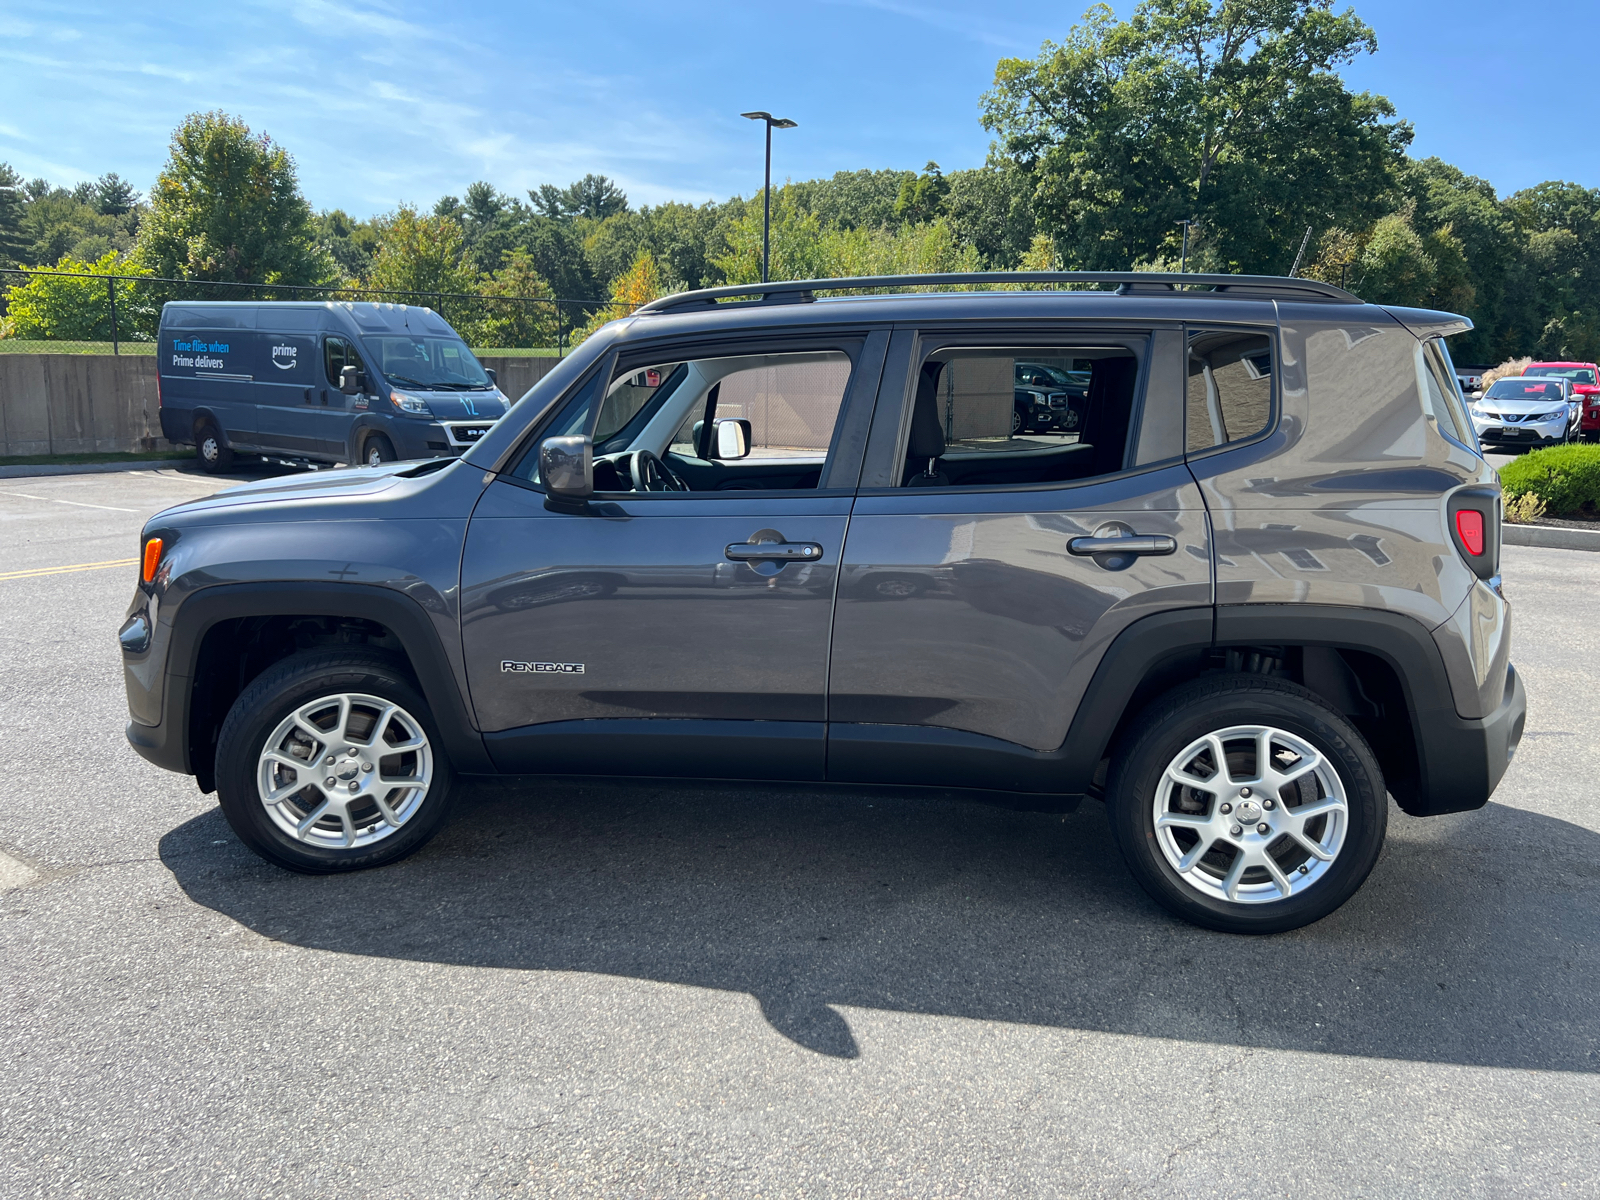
(792, 403)
(661, 426)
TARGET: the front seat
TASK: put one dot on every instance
(926, 444)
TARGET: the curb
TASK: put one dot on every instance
(1552, 537)
(22, 472)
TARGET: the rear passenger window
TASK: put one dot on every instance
(1228, 393)
(1011, 415)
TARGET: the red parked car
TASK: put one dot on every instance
(1585, 389)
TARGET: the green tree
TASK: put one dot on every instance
(851, 199)
(420, 255)
(12, 203)
(991, 209)
(922, 199)
(227, 206)
(55, 305)
(513, 317)
(639, 284)
(593, 196)
(1226, 111)
(350, 243)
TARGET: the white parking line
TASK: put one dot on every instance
(74, 503)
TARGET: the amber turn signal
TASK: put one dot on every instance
(152, 558)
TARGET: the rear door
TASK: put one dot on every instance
(982, 578)
(674, 632)
(207, 366)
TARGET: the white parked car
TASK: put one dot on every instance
(1526, 411)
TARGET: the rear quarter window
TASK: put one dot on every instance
(1228, 389)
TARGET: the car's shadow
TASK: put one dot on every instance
(1473, 942)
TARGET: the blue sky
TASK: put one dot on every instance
(384, 101)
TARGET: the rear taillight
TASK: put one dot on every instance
(1474, 517)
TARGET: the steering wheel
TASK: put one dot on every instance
(650, 474)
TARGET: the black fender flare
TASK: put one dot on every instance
(169, 744)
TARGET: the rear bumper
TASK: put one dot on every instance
(1462, 761)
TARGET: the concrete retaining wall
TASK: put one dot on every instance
(102, 403)
(78, 403)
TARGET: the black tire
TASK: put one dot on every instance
(1178, 719)
(268, 701)
(1019, 420)
(216, 458)
(377, 449)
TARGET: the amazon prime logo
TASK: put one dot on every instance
(285, 357)
(544, 668)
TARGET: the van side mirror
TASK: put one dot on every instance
(733, 437)
(350, 380)
(493, 378)
(566, 467)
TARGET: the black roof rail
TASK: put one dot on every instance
(1143, 283)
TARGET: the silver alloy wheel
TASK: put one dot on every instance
(209, 448)
(374, 457)
(345, 771)
(1251, 814)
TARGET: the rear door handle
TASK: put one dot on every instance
(1158, 544)
(773, 552)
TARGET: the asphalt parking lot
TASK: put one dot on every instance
(642, 990)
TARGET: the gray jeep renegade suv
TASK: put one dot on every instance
(755, 533)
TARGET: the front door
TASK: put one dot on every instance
(677, 623)
(983, 577)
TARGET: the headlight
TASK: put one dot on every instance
(1560, 414)
(410, 404)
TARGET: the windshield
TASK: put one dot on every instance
(427, 362)
(1525, 389)
(1576, 374)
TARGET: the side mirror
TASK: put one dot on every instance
(566, 467)
(493, 378)
(733, 437)
(350, 380)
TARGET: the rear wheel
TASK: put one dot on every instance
(215, 457)
(330, 761)
(1246, 804)
(378, 450)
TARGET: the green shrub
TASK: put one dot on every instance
(1566, 478)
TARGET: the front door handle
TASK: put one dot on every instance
(773, 552)
(1135, 544)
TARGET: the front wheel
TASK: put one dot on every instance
(330, 761)
(1246, 804)
(378, 450)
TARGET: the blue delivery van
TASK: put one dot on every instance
(319, 382)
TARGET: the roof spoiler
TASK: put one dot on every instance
(1129, 283)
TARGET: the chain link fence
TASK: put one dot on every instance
(54, 312)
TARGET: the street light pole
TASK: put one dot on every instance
(766, 187)
(1183, 259)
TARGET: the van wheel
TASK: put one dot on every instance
(330, 761)
(215, 458)
(1244, 803)
(378, 450)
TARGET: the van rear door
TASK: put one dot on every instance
(206, 376)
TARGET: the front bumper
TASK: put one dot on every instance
(1495, 433)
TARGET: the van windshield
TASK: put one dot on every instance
(427, 362)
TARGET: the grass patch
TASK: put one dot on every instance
(131, 456)
(28, 346)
